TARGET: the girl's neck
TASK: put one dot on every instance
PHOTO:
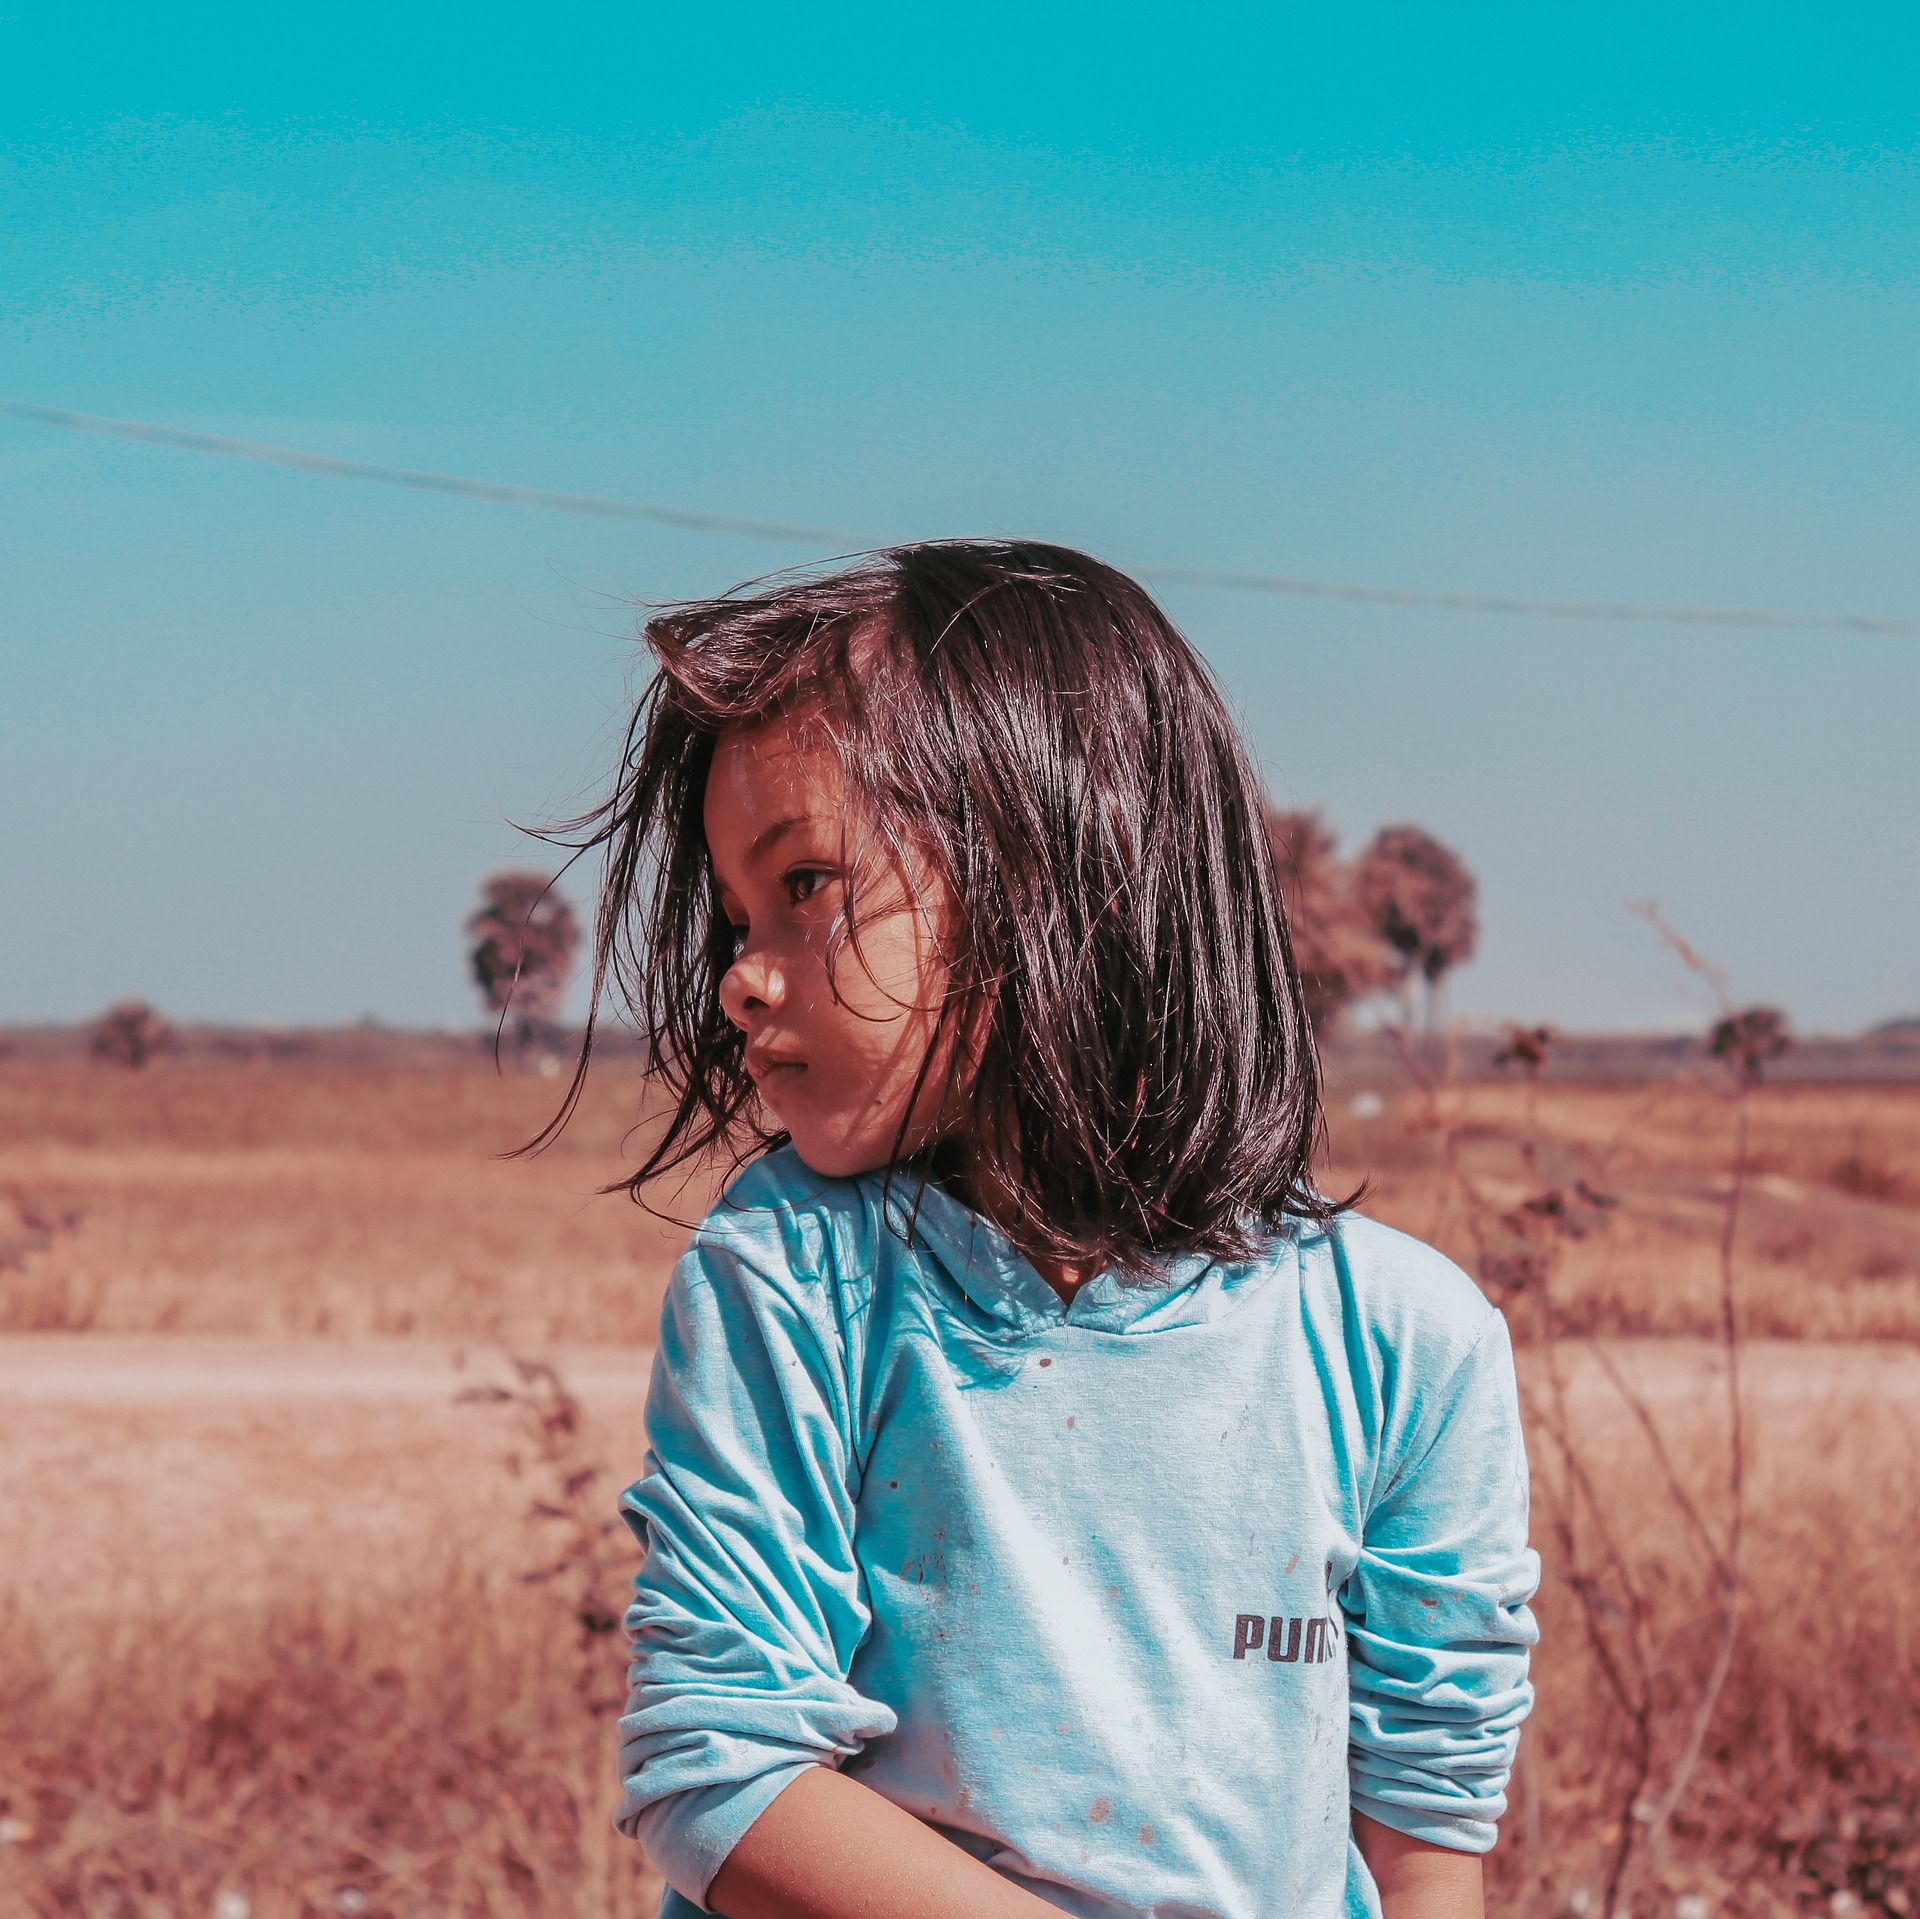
(1066, 1280)
(985, 1197)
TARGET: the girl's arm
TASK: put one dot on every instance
(831, 1848)
(748, 1611)
(1416, 1880)
(749, 1605)
(1439, 1628)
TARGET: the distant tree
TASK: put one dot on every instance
(130, 1034)
(524, 941)
(1420, 897)
(1336, 945)
(1748, 1039)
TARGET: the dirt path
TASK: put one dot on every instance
(206, 1371)
(239, 1471)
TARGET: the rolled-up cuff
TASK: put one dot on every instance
(1435, 1812)
(1431, 1828)
(688, 1835)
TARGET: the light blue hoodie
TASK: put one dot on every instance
(1134, 1599)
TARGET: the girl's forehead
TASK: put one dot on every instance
(786, 749)
(778, 768)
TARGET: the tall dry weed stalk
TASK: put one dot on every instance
(1658, 1732)
(584, 1554)
(29, 1226)
(584, 1557)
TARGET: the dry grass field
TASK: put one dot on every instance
(270, 1643)
(344, 1202)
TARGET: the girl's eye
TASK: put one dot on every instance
(805, 881)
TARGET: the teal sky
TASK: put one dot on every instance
(1622, 308)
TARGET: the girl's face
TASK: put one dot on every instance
(833, 1048)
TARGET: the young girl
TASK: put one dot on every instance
(1052, 1502)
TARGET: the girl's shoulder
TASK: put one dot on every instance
(807, 1234)
(778, 1213)
(1396, 1293)
(784, 1246)
(1425, 1352)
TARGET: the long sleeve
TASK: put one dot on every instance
(748, 1605)
(1437, 1612)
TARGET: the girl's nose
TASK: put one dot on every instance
(752, 985)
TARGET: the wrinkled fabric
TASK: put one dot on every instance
(1136, 1599)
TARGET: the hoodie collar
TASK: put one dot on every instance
(1184, 1289)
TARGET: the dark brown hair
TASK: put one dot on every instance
(1030, 723)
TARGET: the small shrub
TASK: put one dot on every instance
(1867, 1179)
(29, 1226)
(1749, 1039)
(130, 1034)
(1885, 1263)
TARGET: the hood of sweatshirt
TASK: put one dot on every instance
(1182, 1289)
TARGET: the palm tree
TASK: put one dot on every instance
(1336, 945)
(1420, 897)
(524, 942)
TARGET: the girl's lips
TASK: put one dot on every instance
(765, 1071)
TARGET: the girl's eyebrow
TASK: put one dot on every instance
(767, 835)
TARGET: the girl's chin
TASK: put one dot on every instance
(834, 1154)
(839, 1157)
(833, 1159)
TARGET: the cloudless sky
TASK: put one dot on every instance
(1624, 307)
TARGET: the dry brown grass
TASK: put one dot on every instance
(338, 1201)
(1829, 1244)
(348, 1749)
(328, 1200)
(364, 1693)
(281, 1645)
(286, 1649)
(1809, 1783)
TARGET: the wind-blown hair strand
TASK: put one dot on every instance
(1034, 727)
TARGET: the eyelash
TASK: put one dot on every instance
(822, 873)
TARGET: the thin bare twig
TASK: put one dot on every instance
(1596, 1568)
(1727, 1638)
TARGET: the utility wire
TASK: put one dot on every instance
(427, 482)
(1417, 598)
(1437, 600)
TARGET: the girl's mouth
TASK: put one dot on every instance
(766, 1069)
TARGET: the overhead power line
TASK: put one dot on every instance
(1438, 600)
(1287, 586)
(590, 503)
